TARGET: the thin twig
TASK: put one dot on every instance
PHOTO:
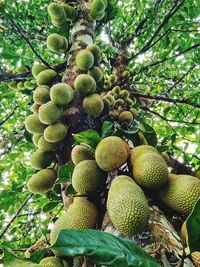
(9, 116)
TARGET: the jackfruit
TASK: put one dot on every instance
(119, 102)
(20, 85)
(28, 85)
(114, 113)
(81, 152)
(55, 132)
(116, 90)
(96, 51)
(126, 116)
(181, 193)
(70, 12)
(49, 113)
(111, 99)
(45, 146)
(150, 170)
(12, 85)
(93, 104)
(46, 77)
(87, 177)
(125, 73)
(129, 102)
(106, 104)
(40, 160)
(58, 22)
(134, 112)
(41, 94)
(111, 153)
(124, 94)
(33, 124)
(81, 214)
(37, 68)
(61, 94)
(35, 108)
(57, 11)
(21, 69)
(84, 59)
(197, 174)
(142, 149)
(96, 73)
(57, 43)
(107, 84)
(112, 78)
(51, 262)
(97, 5)
(36, 138)
(85, 84)
(127, 206)
(142, 138)
(42, 181)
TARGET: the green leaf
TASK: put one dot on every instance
(149, 134)
(38, 255)
(70, 190)
(102, 248)
(106, 128)
(65, 173)
(89, 137)
(50, 206)
(193, 226)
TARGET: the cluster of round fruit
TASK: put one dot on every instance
(46, 123)
(60, 13)
(97, 9)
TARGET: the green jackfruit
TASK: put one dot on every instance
(36, 69)
(107, 84)
(111, 153)
(28, 85)
(36, 138)
(55, 132)
(81, 214)
(84, 59)
(85, 84)
(58, 22)
(57, 11)
(21, 69)
(127, 206)
(97, 9)
(96, 51)
(112, 78)
(61, 94)
(49, 113)
(57, 43)
(116, 90)
(181, 193)
(45, 146)
(126, 116)
(124, 94)
(20, 85)
(119, 102)
(70, 12)
(41, 94)
(140, 150)
(40, 160)
(53, 262)
(134, 112)
(33, 124)
(87, 177)
(93, 104)
(42, 181)
(80, 153)
(12, 85)
(96, 73)
(142, 138)
(35, 108)
(106, 104)
(46, 77)
(150, 170)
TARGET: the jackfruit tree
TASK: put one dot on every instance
(100, 118)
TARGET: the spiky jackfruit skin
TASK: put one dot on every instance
(42, 181)
(82, 214)
(45, 146)
(96, 73)
(36, 69)
(70, 12)
(61, 94)
(111, 153)
(142, 149)
(127, 206)
(181, 193)
(55, 132)
(57, 11)
(87, 177)
(126, 116)
(36, 138)
(80, 153)
(40, 159)
(49, 113)
(85, 84)
(93, 104)
(35, 108)
(150, 170)
(41, 94)
(96, 51)
(51, 262)
(57, 43)
(84, 60)
(197, 174)
(46, 77)
(34, 125)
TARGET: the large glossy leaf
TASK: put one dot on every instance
(102, 248)
(89, 137)
(65, 173)
(193, 228)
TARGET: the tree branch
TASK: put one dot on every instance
(15, 216)
(9, 116)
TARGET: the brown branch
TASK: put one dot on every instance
(15, 216)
